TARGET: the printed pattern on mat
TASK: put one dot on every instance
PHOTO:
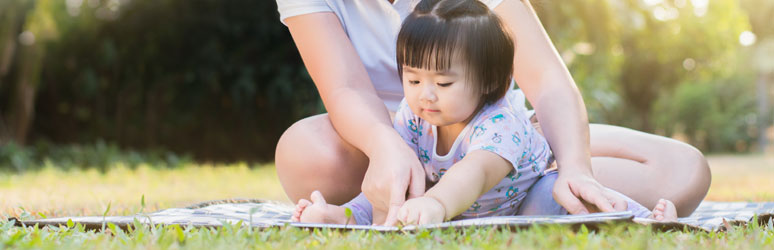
(265, 215)
(709, 216)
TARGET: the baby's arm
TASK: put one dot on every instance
(462, 184)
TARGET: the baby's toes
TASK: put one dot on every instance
(295, 217)
(302, 204)
(300, 207)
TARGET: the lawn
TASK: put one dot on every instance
(52, 192)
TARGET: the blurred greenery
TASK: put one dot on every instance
(221, 80)
(671, 67)
(218, 79)
(101, 156)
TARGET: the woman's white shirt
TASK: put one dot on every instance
(372, 26)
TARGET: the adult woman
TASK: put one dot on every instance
(348, 49)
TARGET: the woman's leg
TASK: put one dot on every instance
(312, 156)
(648, 167)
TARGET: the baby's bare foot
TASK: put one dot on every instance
(302, 204)
(319, 211)
(665, 211)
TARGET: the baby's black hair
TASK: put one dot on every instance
(438, 30)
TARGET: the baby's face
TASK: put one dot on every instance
(440, 98)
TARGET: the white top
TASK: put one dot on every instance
(372, 26)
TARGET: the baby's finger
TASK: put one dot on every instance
(413, 217)
(402, 214)
(429, 218)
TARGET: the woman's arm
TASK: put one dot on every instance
(357, 113)
(462, 185)
(548, 86)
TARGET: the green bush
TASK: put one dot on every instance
(718, 116)
(218, 79)
(222, 79)
(100, 156)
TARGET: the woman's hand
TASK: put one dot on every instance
(548, 85)
(572, 190)
(422, 210)
(391, 172)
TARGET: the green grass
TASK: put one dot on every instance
(236, 237)
(52, 192)
(55, 192)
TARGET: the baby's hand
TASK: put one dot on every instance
(422, 210)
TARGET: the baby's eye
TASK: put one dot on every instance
(413, 82)
(447, 84)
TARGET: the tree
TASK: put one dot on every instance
(761, 17)
(625, 54)
(37, 26)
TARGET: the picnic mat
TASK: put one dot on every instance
(709, 216)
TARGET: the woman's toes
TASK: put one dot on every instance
(660, 205)
(665, 211)
(670, 211)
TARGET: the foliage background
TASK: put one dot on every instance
(221, 80)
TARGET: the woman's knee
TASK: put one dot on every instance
(697, 179)
(310, 155)
(689, 174)
(306, 141)
(681, 171)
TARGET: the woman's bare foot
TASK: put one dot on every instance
(319, 211)
(665, 211)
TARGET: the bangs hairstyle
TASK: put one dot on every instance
(438, 30)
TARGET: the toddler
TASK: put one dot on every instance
(478, 148)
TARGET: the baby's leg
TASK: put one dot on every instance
(362, 211)
(318, 211)
(664, 211)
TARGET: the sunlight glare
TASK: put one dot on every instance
(653, 2)
(700, 7)
(747, 38)
(27, 38)
(689, 64)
